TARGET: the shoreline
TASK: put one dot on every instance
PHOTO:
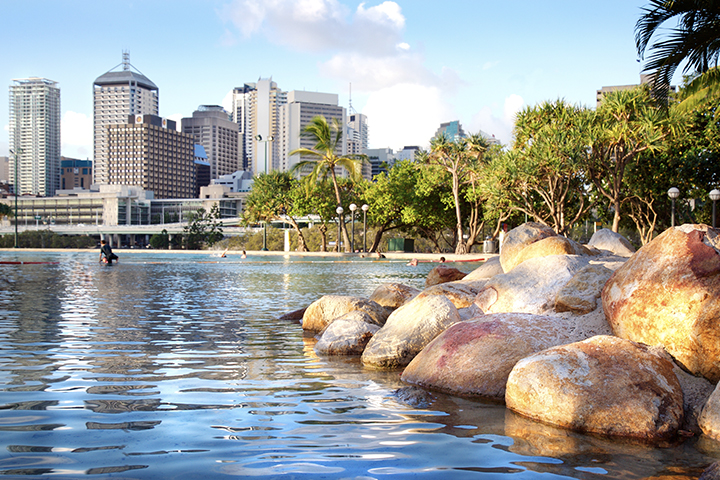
(421, 257)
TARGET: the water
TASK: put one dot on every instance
(175, 366)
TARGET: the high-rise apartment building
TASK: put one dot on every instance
(212, 128)
(147, 151)
(357, 133)
(35, 136)
(300, 109)
(256, 109)
(117, 95)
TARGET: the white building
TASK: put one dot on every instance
(240, 181)
(300, 109)
(35, 136)
(116, 95)
(212, 128)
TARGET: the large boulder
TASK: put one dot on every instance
(461, 293)
(581, 293)
(668, 294)
(442, 274)
(474, 358)
(520, 237)
(347, 335)
(408, 330)
(531, 287)
(603, 385)
(545, 247)
(324, 311)
(606, 239)
(393, 295)
(488, 269)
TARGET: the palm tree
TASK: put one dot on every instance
(695, 39)
(324, 158)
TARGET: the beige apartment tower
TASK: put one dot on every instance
(116, 95)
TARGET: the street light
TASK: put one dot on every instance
(714, 196)
(673, 193)
(339, 211)
(365, 208)
(353, 207)
(260, 140)
(15, 190)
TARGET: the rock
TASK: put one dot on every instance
(442, 274)
(580, 294)
(295, 316)
(347, 335)
(474, 358)
(461, 293)
(531, 287)
(414, 397)
(604, 385)
(408, 330)
(668, 294)
(606, 239)
(488, 269)
(711, 473)
(545, 247)
(520, 237)
(696, 393)
(393, 295)
(323, 311)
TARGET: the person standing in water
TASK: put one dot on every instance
(106, 253)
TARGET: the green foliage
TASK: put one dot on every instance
(47, 239)
(5, 210)
(203, 228)
(160, 241)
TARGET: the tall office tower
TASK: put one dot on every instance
(148, 151)
(212, 128)
(116, 95)
(452, 130)
(35, 136)
(380, 160)
(357, 139)
(75, 173)
(242, 98)
(300, 109)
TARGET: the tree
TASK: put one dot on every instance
(695, 39)
(624, 126)
(457, 158)
(5, 210)
(203, 228)
(327, 138)
(546, 175)
(160, 241)
(270, 198)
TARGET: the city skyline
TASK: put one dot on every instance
(410, 65)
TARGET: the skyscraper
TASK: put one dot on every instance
(212, 128)
(117, 95)
(35, 136)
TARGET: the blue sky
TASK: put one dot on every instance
(412, 63)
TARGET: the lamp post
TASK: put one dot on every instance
(673, 193)
(339, 211)
(353, 207)
(260, 140)
(365, 208)
(714, 196)
(15, 190)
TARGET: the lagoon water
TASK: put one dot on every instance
(175, 366)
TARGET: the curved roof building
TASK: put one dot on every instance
(116, 96)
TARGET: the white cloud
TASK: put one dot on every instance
(405, 114)
(499, 125)
(77, 135)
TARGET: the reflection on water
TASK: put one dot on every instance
(175, 366)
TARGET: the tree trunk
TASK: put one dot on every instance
(302, 245)
(323, 237)
(616, 217)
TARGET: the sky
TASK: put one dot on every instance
(408, 65)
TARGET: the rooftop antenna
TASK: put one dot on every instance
(126, 60)
(350, 107)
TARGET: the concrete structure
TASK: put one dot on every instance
(644, 80)
(212, 128)
(4, 169)
(357, 135)
(407, 153)
(117, 95)
(35, 136)
(452, 130)
(240, 181)
(75, 173)
(147, 151)
(381, 160)
(242, 105)
(300, 109)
